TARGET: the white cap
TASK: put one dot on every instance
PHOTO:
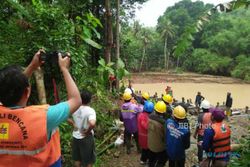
(205, 104)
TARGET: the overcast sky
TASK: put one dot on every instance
(152, 9)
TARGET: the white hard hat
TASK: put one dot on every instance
(128, 90)
(205, 104)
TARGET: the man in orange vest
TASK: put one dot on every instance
(216, 141)
(29, 136)
(204, 121)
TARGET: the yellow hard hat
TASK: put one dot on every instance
(160, 107)
(127, 96)
(145, 95)
(179, 112)
(168, 98)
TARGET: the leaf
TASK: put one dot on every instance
(96, 33)
(101, 62)
(92, 43)
(120, 63)
(86, 32)
(110, 64)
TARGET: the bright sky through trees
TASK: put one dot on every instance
(152, 9)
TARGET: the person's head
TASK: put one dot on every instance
(228, 94)
(167, 98)
(160, 107)
(205, 105)
(127, 97)
(217, 114)
(86, 97)
(183, 100)
(14, 86)
(148, 107)
(199, 93)
(145, 96)
(179, 113)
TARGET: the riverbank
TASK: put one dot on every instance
(213, 88)
(160, 77)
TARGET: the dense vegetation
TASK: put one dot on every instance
(75, 26)
(86, 29)
(220, 48)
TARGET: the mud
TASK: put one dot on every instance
(213, 88)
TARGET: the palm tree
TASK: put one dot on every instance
(167, 32)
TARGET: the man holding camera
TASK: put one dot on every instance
(28, 134)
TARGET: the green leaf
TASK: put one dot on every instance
(101, 62)
(110, 64)
(120, 63)
(92, 43)
(98, 35)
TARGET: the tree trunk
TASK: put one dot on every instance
(40, 86)
(117, 38)
(165, 53)
(143, 55)
(177, 64)
(108, 31)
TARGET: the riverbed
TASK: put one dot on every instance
(213, 92)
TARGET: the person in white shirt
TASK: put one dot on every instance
(83, 145)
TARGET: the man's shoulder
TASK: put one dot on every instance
(87, 109)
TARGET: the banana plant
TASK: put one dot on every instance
(187, 36)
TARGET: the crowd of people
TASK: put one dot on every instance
(161, 130)
(29, 135)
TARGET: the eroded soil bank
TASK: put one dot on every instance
(213, 88)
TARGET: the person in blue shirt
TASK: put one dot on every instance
(177, 137)
(216, 141)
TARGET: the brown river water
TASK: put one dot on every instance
(213, 92)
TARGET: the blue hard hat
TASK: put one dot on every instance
(148, 106)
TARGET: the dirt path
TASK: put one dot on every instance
(118, 158)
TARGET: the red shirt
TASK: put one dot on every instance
(143, 129)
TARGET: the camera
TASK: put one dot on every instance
(51, 57)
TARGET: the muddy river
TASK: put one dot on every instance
(214, 92)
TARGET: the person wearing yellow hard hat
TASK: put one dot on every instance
(177, 137)
(156, 135)
(128, 116)
(145, 96)
(168, 100)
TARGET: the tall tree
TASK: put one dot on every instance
(167, 32)
(145, 40)
(117, 37)
(108, 31)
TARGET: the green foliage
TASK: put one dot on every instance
(244, 153)
(242, 69)
(121, 71)
(104, 70)
(203, 61)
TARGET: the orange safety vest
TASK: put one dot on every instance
(206, 122)
(23, 138)
(221, 140)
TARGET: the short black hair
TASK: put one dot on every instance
(86, 96)
(13, 83)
